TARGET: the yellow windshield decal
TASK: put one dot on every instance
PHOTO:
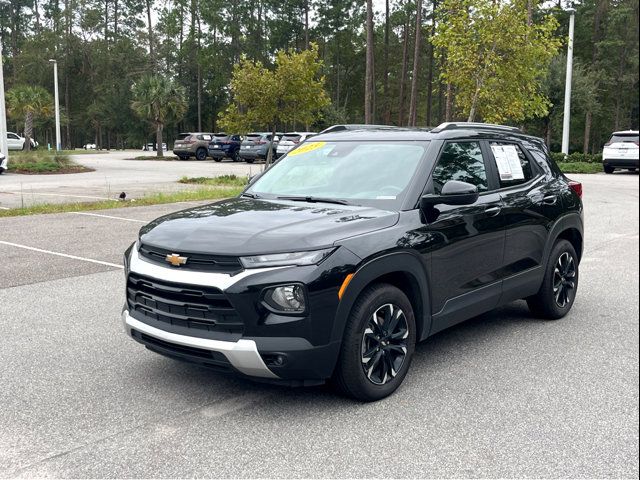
(307, 147)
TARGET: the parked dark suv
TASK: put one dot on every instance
(225, 147)
(343, 255)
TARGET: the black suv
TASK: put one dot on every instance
(352, 248)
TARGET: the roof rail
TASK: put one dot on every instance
(477, 125)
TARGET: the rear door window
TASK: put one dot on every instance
(461, 161)
(512, 165)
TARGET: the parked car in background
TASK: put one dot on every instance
(194, 144)
(16, 142)
(3, 163)
(149, 147)
(291, 140)
(226, 146)
(90, 146)
(621, 151)
(255, 146)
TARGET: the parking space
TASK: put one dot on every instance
(113, 173)
(502, 395)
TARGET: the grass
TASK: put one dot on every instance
(580, 167)
(153, 199)
(222, 180)
(38, 162)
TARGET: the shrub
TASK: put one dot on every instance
(577, 157)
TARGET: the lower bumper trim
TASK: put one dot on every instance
(243, 354)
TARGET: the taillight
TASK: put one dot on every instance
(296, 141)
(261, 142)
(576, 187)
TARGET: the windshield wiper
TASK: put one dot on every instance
(250, 195)
(311, 199)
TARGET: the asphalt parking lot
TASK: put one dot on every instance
(502, 395)
(114, 172)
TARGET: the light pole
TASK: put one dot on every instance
(3, 113)
(566, 120)
(55, 89)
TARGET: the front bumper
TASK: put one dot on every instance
(242, 355)
(285, 349)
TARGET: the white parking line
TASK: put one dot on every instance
(109, 216)
(91, 260)
(26, 193)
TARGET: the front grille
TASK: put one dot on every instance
(195, 261)
(191, 306)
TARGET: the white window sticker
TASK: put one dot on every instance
(508, 162)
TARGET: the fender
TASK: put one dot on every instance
(407, 262)
(565, 222)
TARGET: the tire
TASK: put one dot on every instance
(608, 169)
(560, 285)
(201, 154)
(235, 157)
(369, 381)
(183, 157)
(217, 160)
(250, 160)
(1, 170)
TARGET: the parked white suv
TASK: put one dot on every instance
(16, 142)
(291, 140)
(621, 151)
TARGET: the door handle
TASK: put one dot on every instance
(550, 200)
(492, 211)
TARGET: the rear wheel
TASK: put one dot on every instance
(558, 291)
(201, 154)
(378, 344)
(1, 170)
(183, 157)
(608, 169)
(249, 160)
(217, 160)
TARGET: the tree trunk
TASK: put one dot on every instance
(587, 131)
(28, 131)
(448, 113)
(152, 51)
(159, 149)
(115, 18)
(306, 24)
(269, 158)
(430, 66)
(385, 89)
(413, 104)
(403, 74)
(369, 107)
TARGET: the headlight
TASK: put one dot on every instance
(286, 298)
(280, 259)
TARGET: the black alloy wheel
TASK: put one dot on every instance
(560, 284)
(378, 344)
(564, 280)
(384, 344)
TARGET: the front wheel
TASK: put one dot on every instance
(378, 344)
(560, 285)
(608, 169)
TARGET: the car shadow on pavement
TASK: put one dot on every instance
(433, 356)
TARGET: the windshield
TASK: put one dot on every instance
(360, 173)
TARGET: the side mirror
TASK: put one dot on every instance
(453, 193)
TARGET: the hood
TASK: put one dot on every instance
(245, 226)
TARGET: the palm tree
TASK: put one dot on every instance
(28, 102)
(158, 99)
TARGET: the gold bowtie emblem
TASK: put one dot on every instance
(176, 260)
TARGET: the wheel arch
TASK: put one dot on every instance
(405, 270)
(570, 228)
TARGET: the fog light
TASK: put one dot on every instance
(286, 298)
